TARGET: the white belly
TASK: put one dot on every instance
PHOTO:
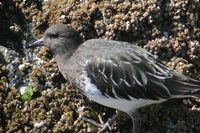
(124, 105)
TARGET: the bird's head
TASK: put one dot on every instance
(60, 38)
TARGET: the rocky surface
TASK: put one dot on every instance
(168, 29)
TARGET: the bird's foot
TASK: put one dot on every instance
(103, 126)
(91, 121)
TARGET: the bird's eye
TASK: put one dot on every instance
(53, 35)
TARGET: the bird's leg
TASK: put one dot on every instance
(134, 117)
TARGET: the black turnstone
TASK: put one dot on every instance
(116, 74)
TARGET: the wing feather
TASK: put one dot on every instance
(137, 76)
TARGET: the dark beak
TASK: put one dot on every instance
(35, 44)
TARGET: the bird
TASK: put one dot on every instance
(116, 74)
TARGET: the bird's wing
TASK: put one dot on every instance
(135, 75)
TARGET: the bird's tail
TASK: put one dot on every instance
(196, 94)
(183, 86)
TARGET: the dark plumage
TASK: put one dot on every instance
(116, 74)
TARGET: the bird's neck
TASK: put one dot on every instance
(62, 59)
(63, 55)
